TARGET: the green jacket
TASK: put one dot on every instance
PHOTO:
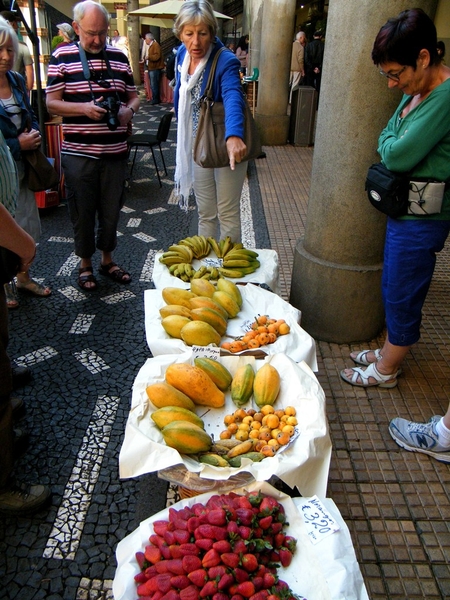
(420, 142)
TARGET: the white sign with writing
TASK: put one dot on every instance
(212, 352)
(319, 523)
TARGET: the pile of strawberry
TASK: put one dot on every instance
(229, 548)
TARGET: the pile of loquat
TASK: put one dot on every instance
(263, 331)
(269, 428)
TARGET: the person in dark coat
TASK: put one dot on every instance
(313, 60)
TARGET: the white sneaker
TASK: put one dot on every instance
(419, 437)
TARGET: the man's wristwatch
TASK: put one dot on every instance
(132, 110)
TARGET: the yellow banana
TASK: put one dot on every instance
(236, 263)
(230, 273)
(214, 246)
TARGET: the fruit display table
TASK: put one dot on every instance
(298, 345)
(303, 463)
(327, 570)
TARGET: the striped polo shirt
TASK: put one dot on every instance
(83, 136)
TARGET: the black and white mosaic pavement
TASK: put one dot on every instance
(85, 350)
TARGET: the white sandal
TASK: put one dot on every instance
(361, 357)
(360, 377)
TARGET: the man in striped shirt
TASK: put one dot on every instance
(91, 86)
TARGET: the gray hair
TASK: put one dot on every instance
(149, 36)
(300, 35)
(79, 10)
(195, 12)
(7, 33)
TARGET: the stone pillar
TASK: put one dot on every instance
(133, 29)
(337, 265)
(254, 16)
(273, 89)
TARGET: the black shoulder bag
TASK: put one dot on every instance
(388, 191)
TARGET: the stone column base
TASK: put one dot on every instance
(273, 129)
(339, 303)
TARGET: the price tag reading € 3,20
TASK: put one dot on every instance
(319, 523)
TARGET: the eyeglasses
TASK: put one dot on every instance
(393, 76)
(94, 34)
(97, 77)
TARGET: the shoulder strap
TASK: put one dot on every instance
(209, 84)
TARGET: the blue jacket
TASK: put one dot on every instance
(227, 87)
(29, 121)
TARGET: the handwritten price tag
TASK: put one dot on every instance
(212, 352)
(212, 262)
(319, 523)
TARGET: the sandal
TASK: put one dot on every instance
(117, 274)
(361, 357)
(11, 297)
(85, 276)
(361, 377)
(34, 288)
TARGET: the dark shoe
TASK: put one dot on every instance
(85, 277)
(115, 273)
(21, 376)
(21, 442)
(22, 499)
(18, 408)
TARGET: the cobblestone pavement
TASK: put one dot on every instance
(86, 349)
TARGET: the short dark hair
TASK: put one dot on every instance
(402, 38)
(10, 15)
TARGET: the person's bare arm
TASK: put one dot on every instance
(29, 75)
(16, 239)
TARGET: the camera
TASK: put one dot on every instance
(112, 107)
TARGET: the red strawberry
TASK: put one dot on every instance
(161, 567)
(269, 580)
(242, 502)
(189, 593)
(151, 571)
(169, 538)
(216, 572)
(226, 581)
(175, 566)
(175, 551)
(211, 559)
(152, 554)
(180, 523)
(198, 577)
(230, 559)
(163, 582)
(276, 528)
(244, 516)
(185, 513)
(220, 596)
(160, 527)
(182, 536)
(157, 595)
(255, 498)
(278, 540)
(189, 548)
(240, 575)
(265, 522)
(205, 543)
(220, 533)
(245, 532)
(214, 501)
(192, 524)
(249, 562)
(246, 589)
(260, 595)
(217, 517)
(180, 582)
(269, 505)
(230, 512)
(140, 559)
(232, 528)
(165, 551)
(257, 532)
(147, 588)
(191, 563)
(285, 556)
(140, 577)
(258, 583)
(204, 531)
(171, 595)
(157, 540)
(290, 543)
(209, 589)
(239, 546)
(222, 546)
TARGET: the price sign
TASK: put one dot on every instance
(212, 262)
(212, 352)
(319, 523)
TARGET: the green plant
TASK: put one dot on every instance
(57, 39)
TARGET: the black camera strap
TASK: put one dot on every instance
(87, 70)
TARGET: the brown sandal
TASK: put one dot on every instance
(118, 274)
(86, 276)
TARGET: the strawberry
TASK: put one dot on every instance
(255, 498)
(189, 593)
(278, 540)
(205, 543)
(163, 582)
(211, 559)
(165, 551)
(239, 546)
(220, 596)
(214, 501)
(225, 582)
(290, 543)
(190, 563)
(265, 522)
(173, 514)
(230, 559)
(276, 528)
(242, 502)
(249, 562)
(246, 589)
(189, 548)
(260, 595)
(169, 538)
(245, 516)
(175, 566)
(285, 556)
(220, 533)
(245, 532)
(140, 577)
(257, 582)
(161, 567)
(232, 528)
(230, 512)
(216, 572)
(182, 536)
(180, 523)
(240, 575)
(257, 532)
(152, 554)
(192, 524)
(198, 577)
(269, 580)
(157, 595)
(157, 540)
(171, 595)
(269, 505)
(217, 517)
(150, 571)
(204, 531)
(175, 551)
(160, 527)
(147, 588)
(222, 546)
(140, 559)
(179, 582)
(209, 589)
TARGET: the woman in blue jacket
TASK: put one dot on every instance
(21, 132)
(217, 191)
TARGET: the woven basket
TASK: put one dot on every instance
(187, 493)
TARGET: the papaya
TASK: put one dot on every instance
(266, 385)
(199, 333)
(173, 295)
(162, 394)
(167, 414)
(186, 437)
(227, 302)
(173, 324)
(205, 302)
(225, 285)
(242, 385)
(202, 287)
(209, 458)
(218, 373)
(174, 309)
(253, 456)
(210, 316)
(196, 384)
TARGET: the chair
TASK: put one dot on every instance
(150, 140)
(253, 78)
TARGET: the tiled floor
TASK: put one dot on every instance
(396, 503)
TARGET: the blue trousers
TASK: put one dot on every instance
(155, 76)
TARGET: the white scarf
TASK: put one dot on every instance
(184, 172)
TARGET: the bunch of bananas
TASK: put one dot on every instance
(198, 244)
(238, 262)
(186, 272)
(222, 247)
(177, 254)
